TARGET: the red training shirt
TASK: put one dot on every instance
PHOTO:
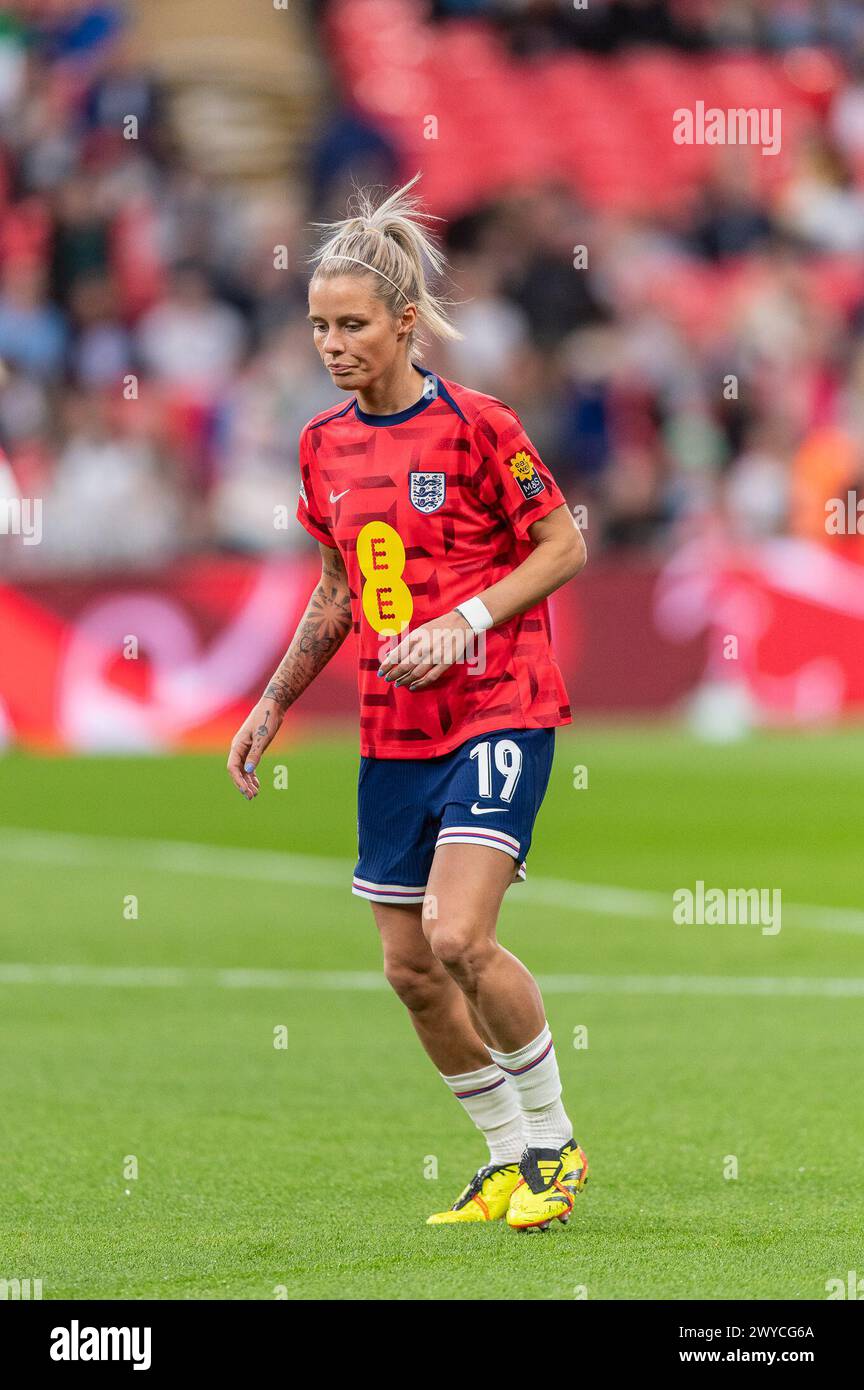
(429, 507)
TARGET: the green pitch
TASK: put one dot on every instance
(307, 1169)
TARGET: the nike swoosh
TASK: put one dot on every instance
(487, 811)
(334, 497)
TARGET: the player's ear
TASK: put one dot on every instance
(407, 322)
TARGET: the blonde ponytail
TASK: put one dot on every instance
(391, 240)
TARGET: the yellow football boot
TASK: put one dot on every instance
(486, 1198)
(574, 1170)
(540, 1195)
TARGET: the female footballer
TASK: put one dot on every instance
(441, 536)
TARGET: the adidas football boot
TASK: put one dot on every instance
(486, 1198)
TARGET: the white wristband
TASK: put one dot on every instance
(475, 613)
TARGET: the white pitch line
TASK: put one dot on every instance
(156, 977)
(171, 856)
(65, 850)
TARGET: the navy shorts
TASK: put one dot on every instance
(486, 792)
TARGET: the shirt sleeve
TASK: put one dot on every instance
(308, 513)
(515, 482)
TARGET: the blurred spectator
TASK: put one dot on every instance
(32, 330)
(101, 351)
(111, 500)
(822, 204)
(757, 485)
(81, 232)
(729, 219)
(493, 327)
(349, 149)
(190, 339)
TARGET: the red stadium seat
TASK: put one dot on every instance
(603, 124)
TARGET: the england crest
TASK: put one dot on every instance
(427, 491)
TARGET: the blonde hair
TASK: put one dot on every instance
(391, 240)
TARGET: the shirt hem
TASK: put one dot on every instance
(448, 745)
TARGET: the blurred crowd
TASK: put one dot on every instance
(704, 368)
(607, 26)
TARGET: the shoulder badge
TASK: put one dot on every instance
(526, 475)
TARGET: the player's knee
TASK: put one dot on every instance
(418, 986)
(460, 950)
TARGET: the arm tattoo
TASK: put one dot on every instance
(320, 633)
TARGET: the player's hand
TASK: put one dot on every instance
(427, 652)
(249, 742)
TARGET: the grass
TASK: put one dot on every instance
(303, 1171)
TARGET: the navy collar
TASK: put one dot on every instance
(426, 399)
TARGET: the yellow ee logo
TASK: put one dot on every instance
(386, 598)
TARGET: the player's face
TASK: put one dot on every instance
(357, 337)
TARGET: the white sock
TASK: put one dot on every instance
(532, 1072)
(494, 1109)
